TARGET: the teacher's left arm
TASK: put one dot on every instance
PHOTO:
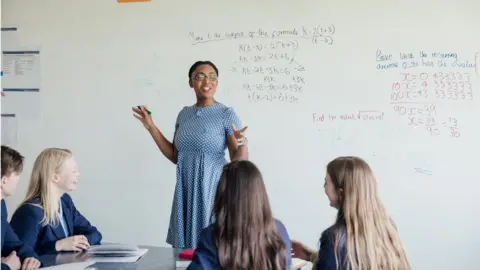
(231, 121)
(237, 152)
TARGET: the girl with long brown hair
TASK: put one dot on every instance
(363, 236)
(243, 235)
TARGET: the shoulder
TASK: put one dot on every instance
(282, 231)
(67, 199)
(229, 114)
(280, 227)
(226, 110)
(334, 231)
(28, 209)
(185, 109)
(206, 242)
(206, 235)
(184, 112)
(333, 234)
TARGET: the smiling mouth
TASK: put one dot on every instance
(206, 89)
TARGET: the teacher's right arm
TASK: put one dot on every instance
(166, 147)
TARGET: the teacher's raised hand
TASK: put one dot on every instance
(239, 134)
(144, 117)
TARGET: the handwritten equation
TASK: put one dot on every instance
(431, 86)
(426, 79)
(425, 115)
(317, 35)
(255, 97)
(265, 59)
(361, 115)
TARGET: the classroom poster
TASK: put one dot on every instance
(21, 79)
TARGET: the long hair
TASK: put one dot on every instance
(372, 241)
(244, 228)
(47, 164)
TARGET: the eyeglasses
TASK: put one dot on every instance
(201, 77)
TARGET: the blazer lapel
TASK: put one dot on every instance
(58, 231)
(67, 214)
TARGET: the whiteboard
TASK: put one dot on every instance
(396, 83)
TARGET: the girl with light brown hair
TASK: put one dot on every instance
(363, 236)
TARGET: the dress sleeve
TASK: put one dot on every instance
(229, 119)
(177, 123)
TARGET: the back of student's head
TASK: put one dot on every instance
(372, 239)
(47, 166)
(245, 230)
(12, 161)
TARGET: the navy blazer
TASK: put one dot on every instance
(10, 241)
(326, 255)
(206, 257)
(26, 221)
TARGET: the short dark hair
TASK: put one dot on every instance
(12, 161)
(200, 63)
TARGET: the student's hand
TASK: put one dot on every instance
(30, 263)
(12, 261)
(143, 116)
(72, 243)
(301, 251)
(239, 134)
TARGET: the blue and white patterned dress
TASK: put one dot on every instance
(201, 141)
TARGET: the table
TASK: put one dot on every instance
(158, 258)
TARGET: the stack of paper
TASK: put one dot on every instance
(115, 253)
(182, 263)
(70, 266)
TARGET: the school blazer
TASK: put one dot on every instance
(10, 241)
(206, 253)
(26, 221)
(326, 254)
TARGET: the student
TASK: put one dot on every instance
(243, 235)
(363, 236)
(12, 166)
(47, 220)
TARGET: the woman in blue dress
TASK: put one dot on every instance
(203, 132)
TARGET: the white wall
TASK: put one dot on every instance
(99, 58)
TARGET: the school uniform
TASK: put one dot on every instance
(10, 241)
(326, 254)
(206, 253)
(26, 221)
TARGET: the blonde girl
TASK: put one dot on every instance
(48, 220)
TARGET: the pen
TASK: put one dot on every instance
(149, 112)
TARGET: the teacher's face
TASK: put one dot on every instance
(204, 82)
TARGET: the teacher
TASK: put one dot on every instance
(203, 132)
